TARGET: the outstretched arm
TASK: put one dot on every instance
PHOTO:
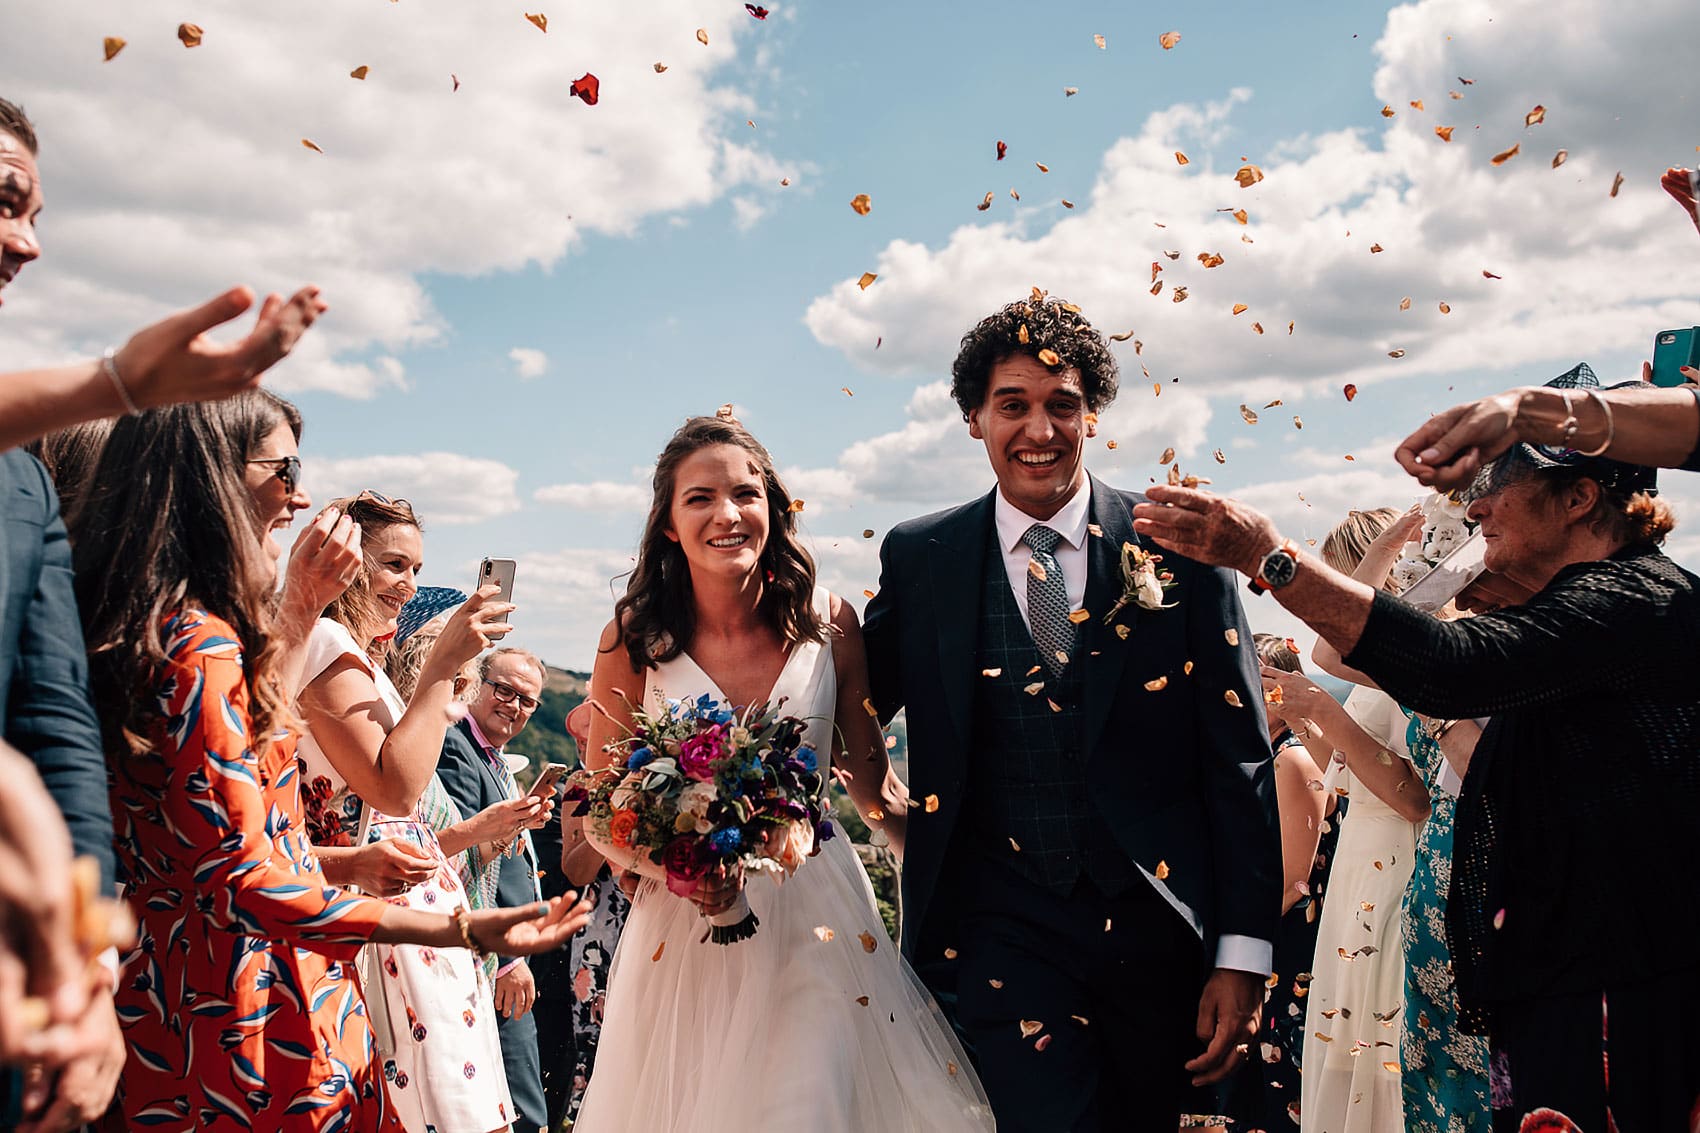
(168, 362)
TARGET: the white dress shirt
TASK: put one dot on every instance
(1070, 553)
(1240, 953)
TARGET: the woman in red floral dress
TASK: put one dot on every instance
(238, 1002)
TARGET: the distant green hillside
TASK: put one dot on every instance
(545, 739)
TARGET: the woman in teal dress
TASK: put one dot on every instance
(1445, 1078)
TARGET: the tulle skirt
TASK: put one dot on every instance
(785, 1030)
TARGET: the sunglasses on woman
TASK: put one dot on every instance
(285, 468)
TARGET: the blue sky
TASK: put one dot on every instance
(646, 247)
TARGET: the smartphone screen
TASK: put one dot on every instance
(1672, 350)
(501, 573)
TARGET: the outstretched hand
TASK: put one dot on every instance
(173, 360)
(526, 930)
(1449, 448)
(1207, 528)
(1680, 184)
(1229, 1013)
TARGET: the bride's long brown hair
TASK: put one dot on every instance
(657, 614)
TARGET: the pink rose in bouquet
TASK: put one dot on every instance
(698, 754)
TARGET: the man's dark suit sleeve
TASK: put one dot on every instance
(462, 778)
(48, 713)
(1238, 766)
(882, 637)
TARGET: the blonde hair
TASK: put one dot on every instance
(1346, 545)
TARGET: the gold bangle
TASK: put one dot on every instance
(1611, 425)
(463, 921)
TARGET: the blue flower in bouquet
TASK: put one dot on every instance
(705, 707)
(639, 757)
(727, 841)
(824, 831)
(806, 756)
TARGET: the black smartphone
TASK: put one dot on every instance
(1672, 350)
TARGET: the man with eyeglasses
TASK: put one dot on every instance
(475, 773)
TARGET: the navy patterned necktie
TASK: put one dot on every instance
(1047, 599)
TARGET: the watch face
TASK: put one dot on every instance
(1279, 566)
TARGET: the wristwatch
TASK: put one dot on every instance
(1278, 568)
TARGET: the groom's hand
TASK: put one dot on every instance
(1228, 1016)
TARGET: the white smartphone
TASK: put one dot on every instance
(500, 572)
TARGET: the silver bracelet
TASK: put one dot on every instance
(1611, 425)
(1567, 427)
(110, 369)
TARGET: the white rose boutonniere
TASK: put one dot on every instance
(1143, 585)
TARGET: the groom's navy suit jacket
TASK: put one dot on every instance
(1181, 776)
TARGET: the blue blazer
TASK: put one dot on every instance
(1184, 778)
(44, 669)
(471, 782)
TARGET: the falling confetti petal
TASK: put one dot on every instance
(456, 79)
(1221, 457)
(1444, 133)
(1388, 112)
(1099, 40)
(1068, 204)
(1258, 327)
(1248, 176)
(1003, 149)
(1560, 158)
(824, 934)
(1070, 92)
(1231, 635)
(1395, 353)
(1375, 248)
(1240, 308)
(112, 45)
(360, 72)
(862, 204)
(869, 942)
(702, 36)
(867, 280)
(930, 804)
(1042, 167)
(309, 143)
(1123, 337)
(190, 34)
(1232, 697)
(1486, 274)
(660, 68)
(1241, 216)
(1030, 1027)
(1445, 307)
(588, 89)
(985, 203)
(1249, 414)
(1157, 685)
(1168, 39)
(1210, 259)
(757, 12)
(659, 948)
(1535, 117)
(540, 20)
(1168, 455)
(796, 505)
(1050, 358)
(1506, 155)
(1162, 871)
(1350, 391)
(1616, 184)
(1417, 104)
(1042, 1042)
(1405, 303)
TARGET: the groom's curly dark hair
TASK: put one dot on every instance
(1050, 324)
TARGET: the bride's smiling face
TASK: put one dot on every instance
(719, 515)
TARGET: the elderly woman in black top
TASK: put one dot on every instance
(1578, 829)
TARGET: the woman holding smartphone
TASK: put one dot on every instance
(238, 999)
(369, 767)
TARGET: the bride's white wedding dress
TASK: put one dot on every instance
(814, 1023)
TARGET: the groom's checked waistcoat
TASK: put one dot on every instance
(1028, 805)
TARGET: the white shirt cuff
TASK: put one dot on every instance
(1245, 954)
(1449, 780)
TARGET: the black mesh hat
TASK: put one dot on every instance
(1524, 460)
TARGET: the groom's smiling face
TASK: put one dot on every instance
(1035, 426)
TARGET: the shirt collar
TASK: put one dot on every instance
(478, 736)
(1069, 522)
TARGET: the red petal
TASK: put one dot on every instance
(1002, 149)
(758, 13)
(588, 88)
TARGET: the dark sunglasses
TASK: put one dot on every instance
(380, 498)
(508, 694)
(285, 468)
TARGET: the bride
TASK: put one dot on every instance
(815, 1022)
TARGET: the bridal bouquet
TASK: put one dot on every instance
(696, 787)
(1445, 529)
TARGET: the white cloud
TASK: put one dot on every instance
(528, 363)
(598, 495)
(1583, 272)
(171, 173)
(443, 487)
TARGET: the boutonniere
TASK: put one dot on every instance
(1143, 584)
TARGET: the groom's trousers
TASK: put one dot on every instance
(1112, 984)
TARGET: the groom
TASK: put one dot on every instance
(1095, 895)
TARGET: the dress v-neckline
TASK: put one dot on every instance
(720, 693)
